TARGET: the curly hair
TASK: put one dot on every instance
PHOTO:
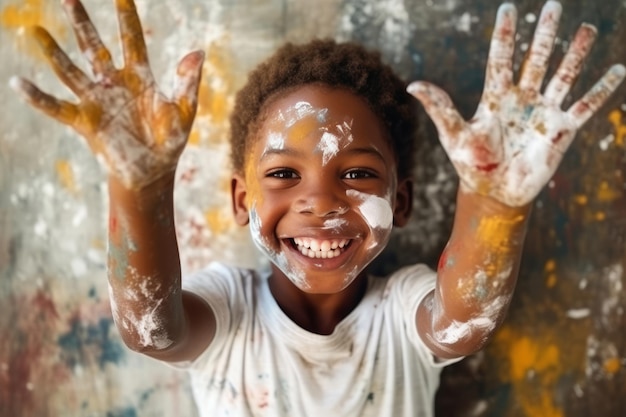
(343, 65)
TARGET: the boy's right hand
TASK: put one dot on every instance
(514, 143)
(121, 112)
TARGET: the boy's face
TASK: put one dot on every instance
(320, 188)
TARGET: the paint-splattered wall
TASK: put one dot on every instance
(561, 351)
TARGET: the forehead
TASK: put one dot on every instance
(316, 107)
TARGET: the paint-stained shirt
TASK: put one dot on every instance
(260, 363)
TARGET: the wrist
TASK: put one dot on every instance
(489, 205)
(157, 191)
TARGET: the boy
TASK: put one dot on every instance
(321, 139)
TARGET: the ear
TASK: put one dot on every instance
(238, 194)
(404, 202)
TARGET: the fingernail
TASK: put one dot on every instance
(416, 87)
(16, 83)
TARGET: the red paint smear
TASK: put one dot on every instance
(488, 167)
(112, 224)
(442, 260)
(558, 137)
(45, 304)
(482, 156)
(33, 373)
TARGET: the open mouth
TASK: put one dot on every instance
(320, 248)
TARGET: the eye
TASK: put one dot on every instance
(356, 174)
(283, 173)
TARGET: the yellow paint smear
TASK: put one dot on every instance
(218, 222)
(616, 119)
(612, 365)
(550, 265)
(607, 194)
(550, 269)
(216, 86)
(535, 366)
(497, 230)
(302, 129)
(66, 175)
(581, 199)
(29, 13)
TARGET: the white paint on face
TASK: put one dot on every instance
(298, 277)
(275, 142)
(376, 211)
(334, 223)
(332, 140)
(328, 146)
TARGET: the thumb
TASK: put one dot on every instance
(187, 83)
(439, 107)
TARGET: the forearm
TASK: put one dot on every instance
(144, 267)
(477, 273)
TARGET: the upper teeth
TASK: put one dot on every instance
(314, 248)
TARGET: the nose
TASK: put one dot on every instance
(322, 200)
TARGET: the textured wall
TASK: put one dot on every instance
(561, 351)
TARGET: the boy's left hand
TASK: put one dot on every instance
(511, 147)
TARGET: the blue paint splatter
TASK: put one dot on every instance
(94, 338)
(126, 412)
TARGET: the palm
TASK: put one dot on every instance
(512, 151)
(121, 113)
(511, 147)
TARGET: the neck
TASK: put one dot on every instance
(316, 313)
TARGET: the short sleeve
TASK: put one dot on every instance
(220, 286)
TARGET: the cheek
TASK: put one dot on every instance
(377, 212)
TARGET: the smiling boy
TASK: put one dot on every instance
(322, 140)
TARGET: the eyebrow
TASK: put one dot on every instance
(296, 153)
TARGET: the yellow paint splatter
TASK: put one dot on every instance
(194, 137)
(616, 119)
(215, 95)
(65, 174)
(581, 199)
(612, 365)
(607, 194)
(535, 367)
(28, 13)
(497, 230)
(216, 92)
(217, 221)
(551, 281)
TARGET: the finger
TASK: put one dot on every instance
(63, 67)
(536, 63)
(499, 75)
(88, 39)
(188, 75)
(441, 110)
(133, 44)
(584, 108)
(60, 110)
(560, 85)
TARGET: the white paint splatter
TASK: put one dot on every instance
(484, 323)
(298, 277)
(335, 223)
(328, 146)
(376, 211)
(578, 313)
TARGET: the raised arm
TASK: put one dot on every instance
(139, 134)
(504, 156)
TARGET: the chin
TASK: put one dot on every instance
(321, 283)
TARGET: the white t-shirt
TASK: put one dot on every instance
(260, 363)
